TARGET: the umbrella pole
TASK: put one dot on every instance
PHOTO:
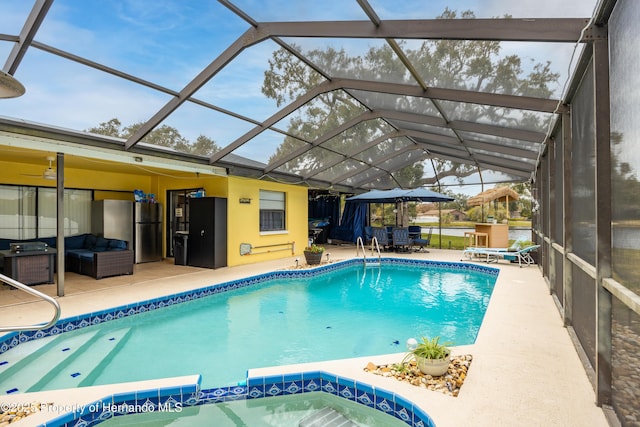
(440, 223)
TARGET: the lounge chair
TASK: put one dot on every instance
(474, 251)
(523, 256)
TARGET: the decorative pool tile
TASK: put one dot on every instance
(346, 388)
(364, 394)
(255, 393)
(292, 383)
(274, 390)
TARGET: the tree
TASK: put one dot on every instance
(163, 136)
(468, 65)
(524, 203)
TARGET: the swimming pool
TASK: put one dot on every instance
(287, 317)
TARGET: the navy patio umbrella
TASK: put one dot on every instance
(396, 195)
(400, 195)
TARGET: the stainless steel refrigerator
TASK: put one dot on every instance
(113, 219)
(148, 232)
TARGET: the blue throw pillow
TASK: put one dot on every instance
(117, 245)
(90, 241)
(74, 242)
(101, 244)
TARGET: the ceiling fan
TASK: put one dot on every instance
(49, 173)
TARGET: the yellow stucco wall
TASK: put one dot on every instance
(244, 221)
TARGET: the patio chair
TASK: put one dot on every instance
(382, 237)
(420, 242)
(414, 232)
(401, 239)
(368, 234)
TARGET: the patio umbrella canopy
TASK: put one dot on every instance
(400, 195)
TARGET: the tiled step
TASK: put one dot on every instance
(15, 355)
(326, 417)
(20, 378)
(77, 369)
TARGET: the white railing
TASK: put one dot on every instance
(56, 307)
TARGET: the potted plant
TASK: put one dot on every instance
(432, 358)
(313, 254)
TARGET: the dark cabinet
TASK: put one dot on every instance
(207, 242)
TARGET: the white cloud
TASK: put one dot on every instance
(539, 8)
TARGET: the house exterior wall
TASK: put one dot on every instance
(244, 222)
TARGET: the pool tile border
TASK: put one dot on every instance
(10, 340)
(178, 397)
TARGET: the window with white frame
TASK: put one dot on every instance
(272, 210)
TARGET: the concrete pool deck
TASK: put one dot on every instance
(525, 369)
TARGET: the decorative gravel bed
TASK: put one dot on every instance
(11, 413)
(408, 372)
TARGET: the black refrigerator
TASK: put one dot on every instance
(207, 242)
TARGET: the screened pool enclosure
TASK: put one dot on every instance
(359, 95)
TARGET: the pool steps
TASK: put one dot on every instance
(8, 360)
(18, 379)
(86, 366)
(63, 362)
(326, 417)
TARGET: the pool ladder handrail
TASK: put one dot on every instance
(22, 287)
(374, 245)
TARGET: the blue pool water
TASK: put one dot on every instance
(349, 312)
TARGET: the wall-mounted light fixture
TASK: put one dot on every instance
(245, 201)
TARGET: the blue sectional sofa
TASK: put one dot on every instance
(90, 255)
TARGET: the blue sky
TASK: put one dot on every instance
(168, 42)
